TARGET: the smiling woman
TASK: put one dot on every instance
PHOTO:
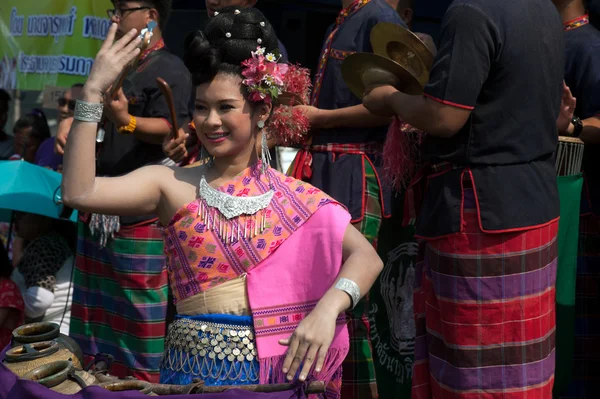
(261, 266)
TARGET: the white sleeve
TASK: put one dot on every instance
(37, 301)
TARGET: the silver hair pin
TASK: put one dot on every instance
(236, 12)
(228, 35)
(262, 24)
(259, 41)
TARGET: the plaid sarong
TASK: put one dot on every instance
(120, 299)
(370, 224)
(485, 313)
(586, 359)
(358, 370)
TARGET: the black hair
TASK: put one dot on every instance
(4, 96)
(227, 40)
(36, 120)
(163, 7)
(68, 230)
(6, 268)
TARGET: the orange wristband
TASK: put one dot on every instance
(130, 128)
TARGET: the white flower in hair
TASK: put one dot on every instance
(260, 50)
(271, 57)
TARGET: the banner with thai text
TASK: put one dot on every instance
(49, 42)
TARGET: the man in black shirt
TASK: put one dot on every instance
(120, 281)
(489, 217)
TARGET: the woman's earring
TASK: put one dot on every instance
(265, 154)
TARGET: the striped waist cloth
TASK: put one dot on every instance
(348, 148)
(301, 168)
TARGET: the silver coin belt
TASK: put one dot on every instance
(210, 350)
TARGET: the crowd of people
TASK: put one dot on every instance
(194, 257)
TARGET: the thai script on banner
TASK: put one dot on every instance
(49, 43)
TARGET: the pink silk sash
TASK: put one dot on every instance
(287, 285)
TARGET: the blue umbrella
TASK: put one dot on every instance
(30, 188)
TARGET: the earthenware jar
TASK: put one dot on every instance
(38, 332)
(61, 377)
(22, 359)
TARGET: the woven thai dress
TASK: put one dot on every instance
(242, 283)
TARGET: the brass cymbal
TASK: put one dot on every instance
(365, 69)
(404, 47)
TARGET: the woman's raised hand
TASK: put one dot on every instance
(112, 59)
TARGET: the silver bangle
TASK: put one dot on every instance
(350, 288)
(88, 112)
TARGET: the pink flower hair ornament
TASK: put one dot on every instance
(266, 80)
(264, 76)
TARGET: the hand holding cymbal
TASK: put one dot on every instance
(400, 60)
(362, 70)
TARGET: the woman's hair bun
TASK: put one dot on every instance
(200, 57)
(227, 40)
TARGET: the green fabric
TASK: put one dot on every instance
(569, 188)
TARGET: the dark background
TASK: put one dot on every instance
(300, 24)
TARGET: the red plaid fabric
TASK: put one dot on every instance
(485, 313)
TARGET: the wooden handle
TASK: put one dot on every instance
(117, 86)
(166, 91)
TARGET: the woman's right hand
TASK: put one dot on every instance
(112, 59)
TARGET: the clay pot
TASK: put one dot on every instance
(61, 377)
(39, 332)
(22, 359)
(128, 385)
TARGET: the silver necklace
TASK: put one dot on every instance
(232, 217)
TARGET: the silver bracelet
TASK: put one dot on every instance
(350, 288)
(88, 112)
